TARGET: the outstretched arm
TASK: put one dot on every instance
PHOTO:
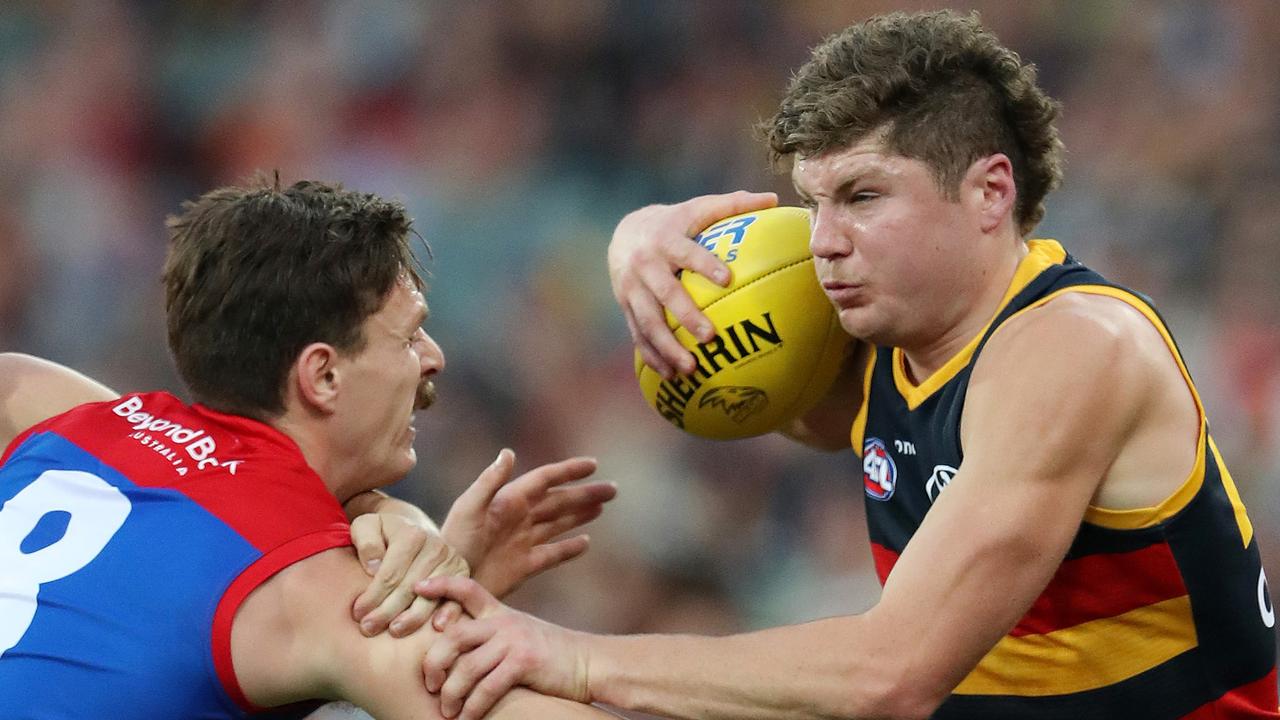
(33, 390)
(975, 566)
(292, 639)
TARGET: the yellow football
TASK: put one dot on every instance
(778, 344)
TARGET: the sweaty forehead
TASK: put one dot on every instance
(824, 173)
(827, 173)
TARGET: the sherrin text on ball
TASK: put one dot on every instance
(778, 344)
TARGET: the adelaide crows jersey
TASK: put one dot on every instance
(130, 532)
(1155, 613)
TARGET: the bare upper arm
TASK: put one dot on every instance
(33, 390)
(293, 639)
(1050, 404)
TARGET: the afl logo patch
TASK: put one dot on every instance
(879, 474)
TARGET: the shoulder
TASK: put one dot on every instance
(1064, 376)
(1077, 333)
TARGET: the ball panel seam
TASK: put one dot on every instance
(730, 291)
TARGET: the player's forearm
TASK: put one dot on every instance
(833, 668)
(826, 425)
(33, 390)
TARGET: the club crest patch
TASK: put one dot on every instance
(879, 473)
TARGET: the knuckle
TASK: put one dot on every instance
(501, 505)
(460, 566)
(689, 316)
(668, 293)
(389, 578)
(415, 534)
(523, 659)
(650, 324)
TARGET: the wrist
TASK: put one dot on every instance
(598, 668)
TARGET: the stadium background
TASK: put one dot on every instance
(518, 133)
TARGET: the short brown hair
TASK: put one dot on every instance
(255, 274)
(940, 88)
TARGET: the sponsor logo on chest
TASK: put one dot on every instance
(938, 481)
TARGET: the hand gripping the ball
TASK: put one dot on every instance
(777, 344)
(649, 247)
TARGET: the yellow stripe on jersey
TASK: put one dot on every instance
(1042, 255)
(1233, 494)
(860, 420)
(1117, 647)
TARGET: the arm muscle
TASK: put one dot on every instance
(293, 639)
(33, 390)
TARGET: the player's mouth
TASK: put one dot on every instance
(844, 294)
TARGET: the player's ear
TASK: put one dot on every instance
(317, 376)
(990, 180)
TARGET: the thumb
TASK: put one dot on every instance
(490, 480)
(367, 537)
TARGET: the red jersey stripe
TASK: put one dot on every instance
(1101, 586)
(1252, 700)
(885, 559)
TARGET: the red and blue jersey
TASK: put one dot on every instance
(130, 532)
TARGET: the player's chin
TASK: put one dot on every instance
(405, 459)
(859, 322)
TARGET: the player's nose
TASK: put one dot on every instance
(432, 357)
(827, 238)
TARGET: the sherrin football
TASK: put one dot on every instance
(778, 344)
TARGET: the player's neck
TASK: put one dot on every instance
(977, 310)
(318, 452)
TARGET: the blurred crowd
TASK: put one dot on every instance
(518, 132)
